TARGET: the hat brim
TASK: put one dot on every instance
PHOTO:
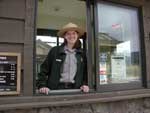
(62, 32)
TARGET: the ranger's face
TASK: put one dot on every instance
(71, 37)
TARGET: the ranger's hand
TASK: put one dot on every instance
(85, 88)
(44, 90)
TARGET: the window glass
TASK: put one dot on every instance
(118, 42)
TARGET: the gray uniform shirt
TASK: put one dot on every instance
(69, 68)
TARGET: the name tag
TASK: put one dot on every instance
(58, 60)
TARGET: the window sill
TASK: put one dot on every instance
(67, 100)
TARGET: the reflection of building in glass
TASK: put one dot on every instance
(106, 40)
(110, 46)
(42, 50)
(107, 44)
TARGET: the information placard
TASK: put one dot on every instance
(10, 66)
(118, 68)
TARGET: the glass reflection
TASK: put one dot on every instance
(119, 53)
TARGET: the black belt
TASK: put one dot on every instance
(66, 85)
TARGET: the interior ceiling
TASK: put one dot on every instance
(63, 8)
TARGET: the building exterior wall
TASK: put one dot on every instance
(21, 41)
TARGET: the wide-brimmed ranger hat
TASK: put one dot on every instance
(70, 27)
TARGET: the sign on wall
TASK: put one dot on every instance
(118, 68)
(10, 66)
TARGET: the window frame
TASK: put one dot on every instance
(53, 32)
(121, 86)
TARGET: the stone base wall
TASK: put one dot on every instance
(127, 106)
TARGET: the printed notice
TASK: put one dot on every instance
(118, 68)
(9, 73)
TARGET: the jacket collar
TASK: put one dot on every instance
(62, 51)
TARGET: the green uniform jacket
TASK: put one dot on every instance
(50, 73)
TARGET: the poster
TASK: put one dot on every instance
(118, 68)
(103, 68)
(10, 73)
